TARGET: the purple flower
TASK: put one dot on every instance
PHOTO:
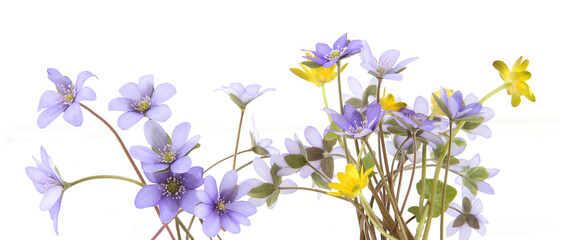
(269, 176)
(261, 146)
(342, 48)
(455, 108)
(165, 152)
(468, 217)
(417, 120)
(65, 99)
(243, 95)
(48, 183)
(472, 176)
(385, 68)
(171, 191)
(478, 129)
(353, 123)
(142, 100)
(220, 207)
(360, 98)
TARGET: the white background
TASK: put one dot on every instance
(199, 47)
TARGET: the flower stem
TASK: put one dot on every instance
(238, 139)
(224, 159)
(443, 199)
(489, 95)
(106, 177)
(373, 218)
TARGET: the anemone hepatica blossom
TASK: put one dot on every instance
(268, 189)
(385, 68)
(417, 119)
(436, 111)
(341, 49)
(318, 76)
(353, 123)
(468, 217)
(241, 95)
(165, 152)
(142, 100)
(478, 129)
(262, 146)
(457, 108)
(351, 182)
(517, 77)
(220, 207)
(361, 97)
(170, 192)
(472, 176)
(66, 99)
(47, 182)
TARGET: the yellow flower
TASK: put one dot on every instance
(389, 104)
(517, 78)
(434, 107)
(318, 76)
(351, 183)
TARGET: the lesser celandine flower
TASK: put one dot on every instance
(517, 77)
(341, 49)
(389, 103)
(318, 76)
(66, 99)
(351, 182)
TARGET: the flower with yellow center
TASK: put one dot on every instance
(389, 104)
(351, 183)
(318, 76)
(516, 80)
(434, 107)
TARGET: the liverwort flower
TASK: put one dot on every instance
(142, 100)
(318, 76)
(268, 189)
(47, 182)
(468, 217)
(220, 207)
(241, 95)
(353, 123)
(165, 152)
(517, 78)
(170, 192)
(416, 121)
(262, 146)
(385, 68)
(472, 176)
(351, 182)
(478, 129)
(434, 106)
(455, 108)
(66, 99)
(361, 97)
(342, 48)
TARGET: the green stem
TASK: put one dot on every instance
(238, 139)
(423, 179)
(224, 159)
(324, 96)
(489, 95)
(443, 199)
(373, 218)
(105, 177)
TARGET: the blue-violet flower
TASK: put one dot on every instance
(385, 68)
(341, 49)
(468, 217)
(241, 95)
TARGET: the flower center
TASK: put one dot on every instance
(384, 66)
(142, 104)
(168, 154)
(418, 119)
(357, 127)
(49, 182)
(336, 53)
(173, 187)
(69, 95)
(221, 206)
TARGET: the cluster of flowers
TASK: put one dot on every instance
(179, 186)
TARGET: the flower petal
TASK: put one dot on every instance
(149, 196)
(154, 167)
(51, 197)
(129, 119)
(211, 225)
(243, 207)
(120, 104)
(155, 135)
(203, 210)
(210, 188)
(228, 183)
(145, 85)
(130, 90)
(288, 183)
(48, 115)
(144, 154)
(73, 114)
(168, 209)
(162, 93)
(81, 78)
(49, 99)
(262, 170)
(193, 178)
(313, 137)
(239, 218)
(181, 165)
(60, 81)
(188, 201)
(54, 213)
(159, 113)
(229, 224)
(85, 94)
(180, 134)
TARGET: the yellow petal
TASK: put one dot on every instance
(502, 68)
(523, 66)
(517, 64)
(343, 67)
(337, 194)
(524, 76)
(515, 101)
(300, 73)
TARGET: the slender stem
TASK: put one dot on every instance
(165, 225)
(245, 165)
(191, 223)
(324, 97)
(489, 95)
(373, 218)
(320, 173)
(443, 199)
(412, 173)
(119, 140)
(224, 159)
(238, 139)
(423, 179)
(106, 177)
(401, 166)
(339, 88)
(177, 228)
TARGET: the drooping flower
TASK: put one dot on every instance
(341, 49)
(165, 152)
(66, 99)
(262, 146)
(353, 123)
(361, 97)
(142, 100)
(472, 177)
(47, 182)
(468, 217)
(220, 207)
(318, 76)
(385, 68)
(351, 182)
(517, 77)
(241, 95)
(170, 192)
(268, 189)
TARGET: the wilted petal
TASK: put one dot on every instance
(149, 196)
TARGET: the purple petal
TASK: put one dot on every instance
(421, 105)
(477, 207)
(145, 85)
(157, 177)
(168, 209)
(181, 165)
(155, 135)
(210, 188)
(154, 167)
(73, 114)
(388, 59)
(60, 81)
(403, 63)
(317, 60)
(239, 218)
(330, 63)
(341, 122)
(49, 99)
(228, 183)
(366, 55)
(229, 224)
(121, 104)
(485, 188)
(180, 135)
(262, 169)
(203, 210)
(85, 94)
(193, 178)
(355, 87)
(51, 197)
(238, 88)
(393, 76)
(48, 115)
(144, 154)
(482, 130)
(211, 225)
(243, 207)
(159, 113)
(451, 230)
(241, 190)
(287, 183)
(204, 197)
(322, 49)
(149, 196)
(54, 213)
(465, 232)
(35, 174)
(313, 137)
(340, 42)
(293, 147)
(189, 145)
(162, 93)
(129, 119)
(130, 90)
(83, 76)
(188, 201)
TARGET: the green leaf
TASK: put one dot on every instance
(330, 135)
(472, 186)
(311, 64)
(317, 179)
(442, 106)
(367, 161)
(470, 126)
(477, 174)
(437, 202)
(262, 191)
(328, 145)
(295, 160)
(415, 211)
(357, 103)
(472, 119)
(195, 147)
(237, 101)
(314, 153)
(459, 142)
(397, 130)
(370, 90)
(273, 198)
(327, 166)
(259, 150)
(276, 179)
